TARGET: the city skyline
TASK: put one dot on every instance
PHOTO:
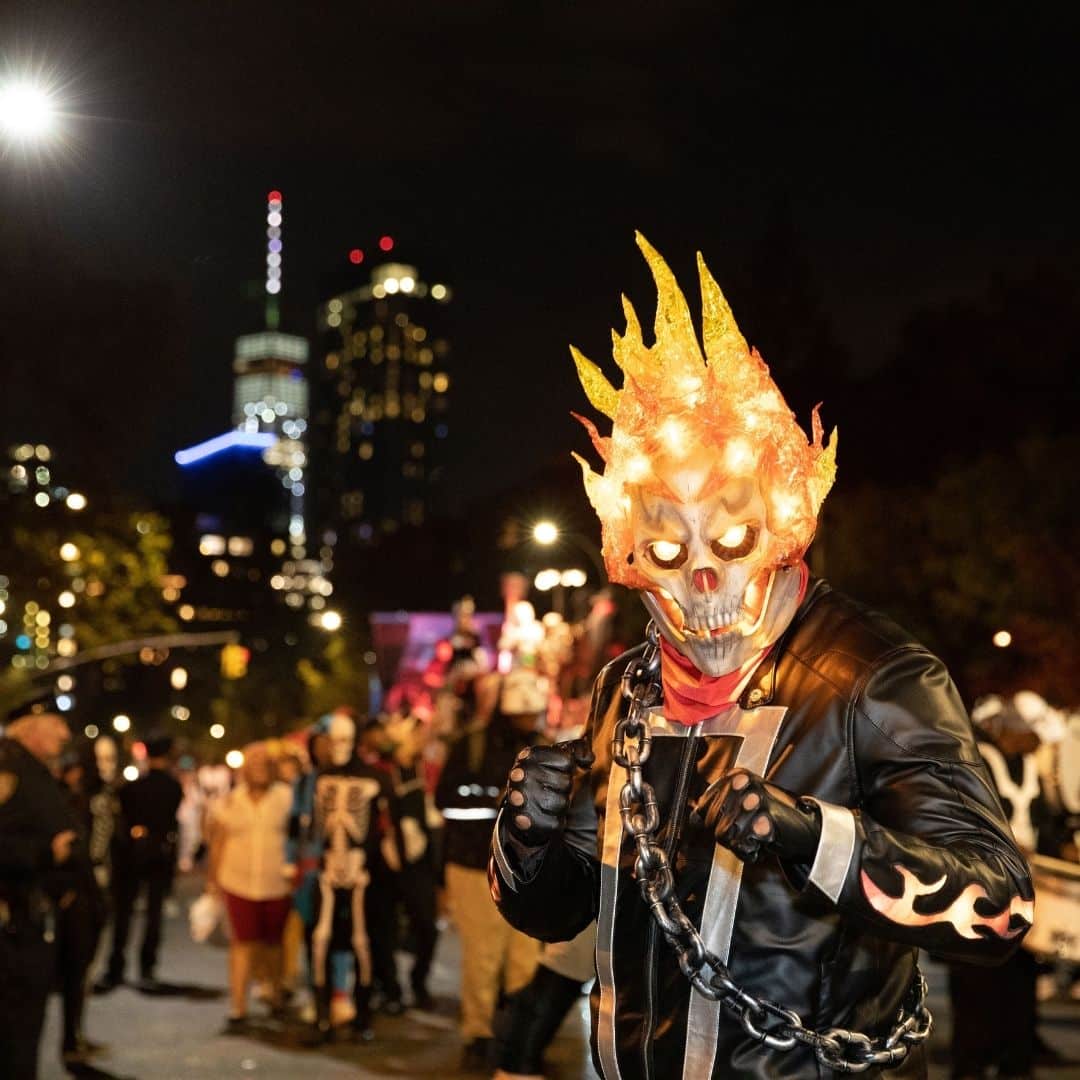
(911, 194)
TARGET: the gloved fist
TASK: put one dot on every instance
(750, 816)
(538, 790)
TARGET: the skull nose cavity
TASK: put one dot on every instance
(706, 580)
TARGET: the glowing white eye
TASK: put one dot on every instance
(733, 537)
(667, 554)
(736, 543)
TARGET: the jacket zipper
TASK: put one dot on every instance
(678, 807)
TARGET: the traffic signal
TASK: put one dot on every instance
(234, 661)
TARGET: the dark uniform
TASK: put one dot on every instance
(80, 918)
(144, 853)
(32, 812)
(417, 880)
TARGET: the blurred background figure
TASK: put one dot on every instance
(303, 851)
(37, 839)
(290, 762)
(248, 831)
(80, 914)
(143, 856)
(351, 827)
(533, 1015)
(190, 815)
(495, 957)
(104, 807)
(994, 1009)
(383, 867)
(398, 742)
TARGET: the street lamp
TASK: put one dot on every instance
(559, 580)
(546, 580)
(545, 532)
(330, 620)
(27, 111)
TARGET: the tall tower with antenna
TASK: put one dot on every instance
(270, 388)
(260, 511)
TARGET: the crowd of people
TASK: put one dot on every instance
(325, 853)
(328, 852)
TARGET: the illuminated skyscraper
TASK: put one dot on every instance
(381, 413)
(270, 419)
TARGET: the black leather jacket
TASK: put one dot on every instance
(878, 734)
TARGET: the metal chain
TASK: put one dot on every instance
(763, 1020)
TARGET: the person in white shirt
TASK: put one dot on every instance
(248, 868)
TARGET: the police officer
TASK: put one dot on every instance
(80, 915)
(35, 849)
(144, 853)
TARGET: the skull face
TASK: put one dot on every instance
(703, 545)
(342, 736)
(105, 758)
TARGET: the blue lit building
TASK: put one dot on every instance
(248, 485)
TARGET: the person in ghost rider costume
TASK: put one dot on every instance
(779, 799)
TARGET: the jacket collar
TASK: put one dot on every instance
(761, 688)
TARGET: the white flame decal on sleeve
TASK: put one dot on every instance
(961, 912)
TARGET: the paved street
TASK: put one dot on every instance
(175, 1037)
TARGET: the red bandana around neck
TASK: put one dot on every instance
(690, 696)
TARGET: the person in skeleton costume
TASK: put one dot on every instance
(350, 800)
(780, 799)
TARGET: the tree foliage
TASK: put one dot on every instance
(990, 546)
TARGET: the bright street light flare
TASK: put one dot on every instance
(27, 111)
(545, 532)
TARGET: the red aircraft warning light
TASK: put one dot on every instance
(386, 243)
(356, 256)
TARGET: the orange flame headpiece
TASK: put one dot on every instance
(677, 401)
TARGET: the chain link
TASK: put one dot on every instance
(764, 1021)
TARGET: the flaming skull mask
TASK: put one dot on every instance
(710, 492)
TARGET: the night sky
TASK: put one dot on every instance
(909, 153)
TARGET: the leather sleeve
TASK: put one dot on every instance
(931, 861)
(551, 893)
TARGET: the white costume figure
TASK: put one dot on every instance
(104, 808)
(349, 797)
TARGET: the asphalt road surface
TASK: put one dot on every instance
(175, 1036)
